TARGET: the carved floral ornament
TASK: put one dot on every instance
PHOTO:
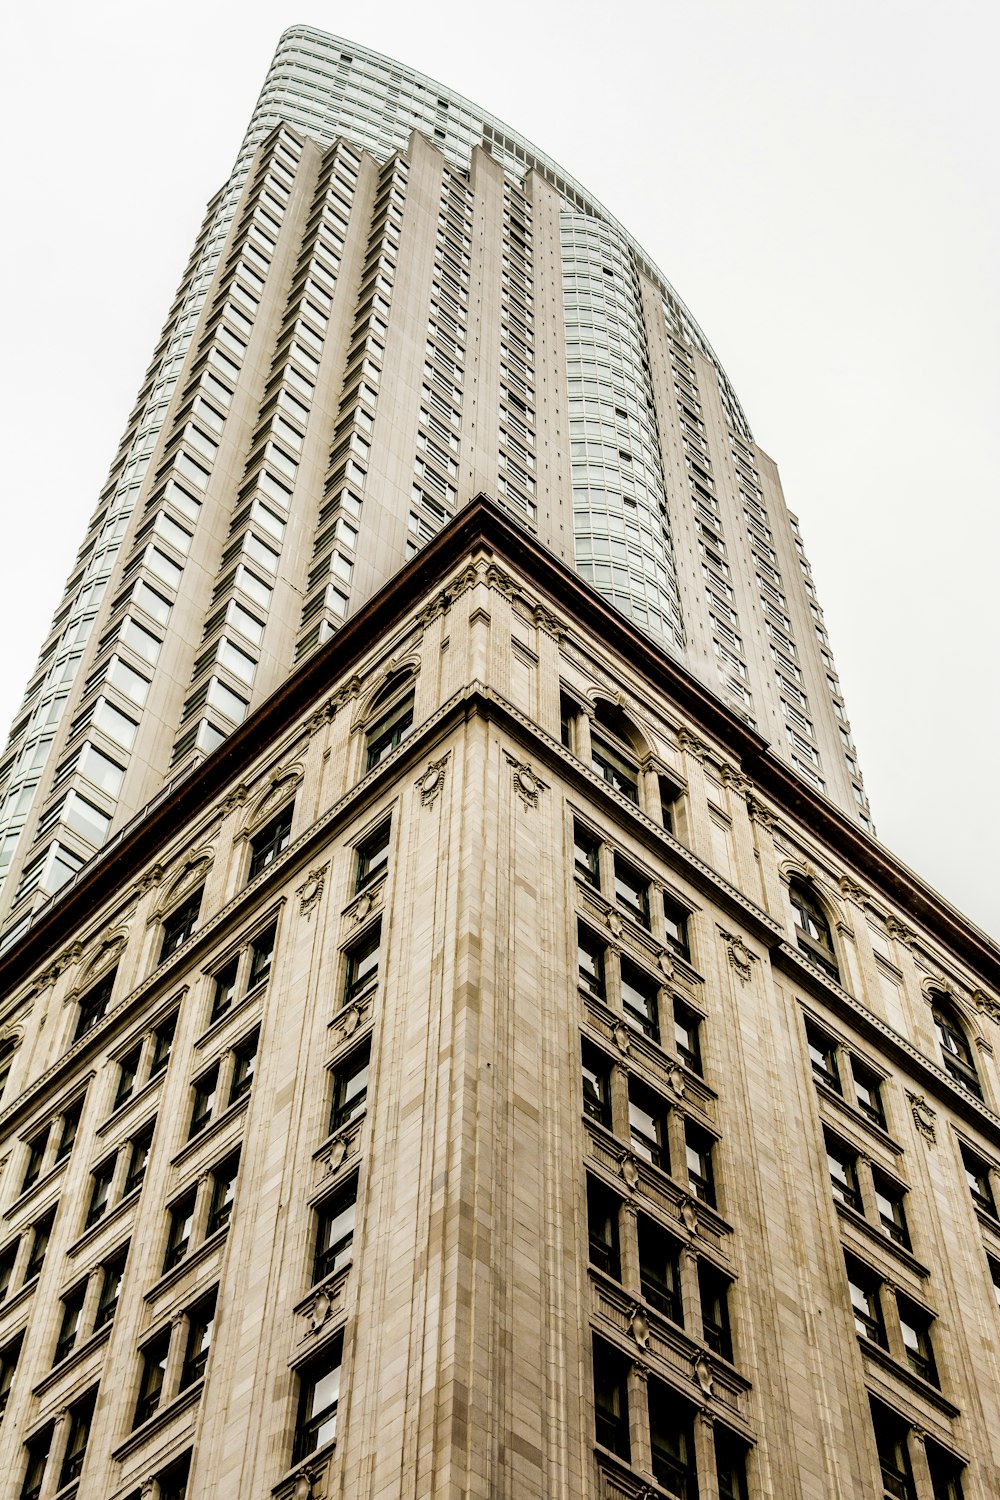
(311, 889)
(282, 783)
(526, 784)
(431, 782)
(986, 1005)
(923, 1116)
(739, 955)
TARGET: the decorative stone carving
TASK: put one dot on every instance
(851, 891)
(621, 1037)
(986, 1005)
(320, 1310)
(761, 814)
(638, 1327)
(497, 579)
(703, 1374)
(629, 1171)
(736, 780)
(666, 963)
(365, 905)
(431, 782)
(739, 955)
(692, 745)
(689, 1214)
(923, 1116)
(614, 923)
(303, 1487)
(151, 878)
(234, 799)
(526, 784)
(547, 621)
(676, 1080)
(311, 890)
(900, 932)
(349, 1021)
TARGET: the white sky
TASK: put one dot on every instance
(819, 183)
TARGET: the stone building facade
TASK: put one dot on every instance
(495, 1073)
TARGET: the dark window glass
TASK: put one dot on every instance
(37, 1451)
(701, 1173)
(154, 1364)
(179, 924)
(225, 989)
(93, 1005)
(893, 1457)
(995, 1277)
(41, 1233)
(946, 1472)
(139, 1148)
(69, 1323)
(223, 1193)
(362, 966)
(687, 1026)
(616, 770)
(173, 1481)
(568, 713)
(676, 925)
(36, 1155)
(179, 1233)
(842, 1163)
(389, 731)
(823, 1057)
(713, 1290)
(669, 796)
(112, 1276)
(335, 1232)
(270, 841)
(611, 1399)
(602, 1222)
(81, 1414)
(587, 856)
(9, 1357)
(596, 1086)
(163, 1040)
(631, 891)
(977, 1175)
(659, 1269)
(204, 1091)
(373, 857)
(319, 1394)
(866, 1301)
(915, 1326)
(7, 1258)
(868, 1089)
(730, 1465)
(201, 1320)
(812, 928)
(891, 1212)
(590, 957)
(672, 1441)
(128, 1069)
(6, 1063)
(261, 956)
(640, 999)
(647, 1117)
(68, 1129)
(958, 1059)
(244, 1066)
(350, 1089)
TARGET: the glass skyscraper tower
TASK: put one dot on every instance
(395, 303)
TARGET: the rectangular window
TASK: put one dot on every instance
(713, 1290)
(261, 956)
(201, 1321)
(139, 1148)
(586, 856)
(659, 1269)
(866, 1301)
(977, 1174)
(244, 1065)
(128, 1068)
(36, 1155)
(69, 1323)
(373, 857)
(701, 1174)
(179, 1232)
(112, 1276)
(946, 1472)
(611, 1399)
(319, 1395)
(893, 1455)
(223, 1181)
(93, 1005)
(891, 1212)
(37, 1450)
(7, 1258)
(335, 1232)
(823, 1057)
(676, 927)
(640, 999)
(868, 1091)
(687, 1026)
(41, 1232)
(389, 731)
(647, 1114)
(100, 1191)
(163, 1041)
(615, 769)
(179, 924)
(730, 1465)
(632, 891)
(68, 1129)
(204, 1091)
(225, 989)
(915, 1326)
(9, 1356)
(362, 966)
(843, 1166)
(350, 1089)
(273, 839)
(596, 1086)
(81, 1414)
(602, 1226)
(672, 1441)
(154, 1366)
(590, 952)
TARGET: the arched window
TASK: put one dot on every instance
(812, 927)
(390, 719)
(958, 1059)
(613, 751)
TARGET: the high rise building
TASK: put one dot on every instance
(395, 303)
(454, 1039)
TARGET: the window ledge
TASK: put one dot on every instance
(118, 1114)
(916, 1383)
(193, 1258)
(21, 1295)
(160, 1418)
(37, 1188)
(690, 1086)
(883, 1241)
(75, 1357)
(212, 1130)
(216, 1027)
(827, 1092)
(111, 1217)
(310, 1469)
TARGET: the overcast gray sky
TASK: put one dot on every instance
(819, 183)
